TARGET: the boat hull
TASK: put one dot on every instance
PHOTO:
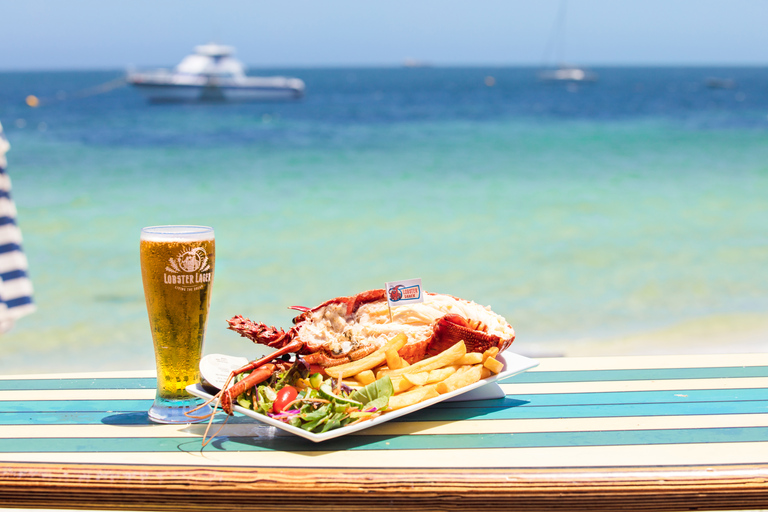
(197, 93)
(211, 74)
(573, 75)
(185, 88)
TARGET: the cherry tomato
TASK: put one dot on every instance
(286, 395)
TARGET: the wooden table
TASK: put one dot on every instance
(644, 433)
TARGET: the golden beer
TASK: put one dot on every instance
(177, 264)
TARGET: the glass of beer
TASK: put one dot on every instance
(177, 270)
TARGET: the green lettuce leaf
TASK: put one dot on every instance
(376, 394)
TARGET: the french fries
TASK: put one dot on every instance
(411, 397)
(442, 359)
(491, 352)
(463, 377)
(450, 370)
(368, 362)
(365, 377)
(417, 379)
(394, 360)
(493, 364)
(400, 383)
(470, 358)
(440, 374)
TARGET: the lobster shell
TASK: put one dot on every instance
(446, 331)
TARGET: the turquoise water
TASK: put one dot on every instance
(584, 216)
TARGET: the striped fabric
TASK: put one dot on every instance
(15, 286)
(637, 412)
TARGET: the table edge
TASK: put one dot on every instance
(153, 487)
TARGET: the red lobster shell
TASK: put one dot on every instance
(348, 328)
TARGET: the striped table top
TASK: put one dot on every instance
(653, 433)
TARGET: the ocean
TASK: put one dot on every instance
(625, 216)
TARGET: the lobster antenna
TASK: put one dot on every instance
(216, 397)
(210, 422)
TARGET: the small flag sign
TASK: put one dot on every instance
(408, 291)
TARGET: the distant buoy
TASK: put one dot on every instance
(490, 81)
(32, 101)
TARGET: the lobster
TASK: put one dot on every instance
(344, 329)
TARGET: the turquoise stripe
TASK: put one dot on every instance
(138, 417)
(532, 400)
(75, 406)
(621, 397)
(526, 377)
(535, 400)
(528, 410)
(501, 409)
(289, 443)
(44, 384)
(649, 374)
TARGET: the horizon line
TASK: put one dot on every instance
(401, 65)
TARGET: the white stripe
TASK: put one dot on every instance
(197, 430)
(5, 183)
(10, 233)
(4, 146)
(510, 389)
(15, 288)
(135, 374)
(7, 208)
(17, 312)
(634, 385)
(14, 260)
(511, 427)
(519, 426)
(546, 364)
(57, 395)
(559, 457)
(555, 364)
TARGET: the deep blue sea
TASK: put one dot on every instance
(625, 216)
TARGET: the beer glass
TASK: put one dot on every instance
(177, 271)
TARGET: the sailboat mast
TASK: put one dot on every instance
(556, 42)
(561, 18)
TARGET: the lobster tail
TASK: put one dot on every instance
(259, 332)
(453, 328)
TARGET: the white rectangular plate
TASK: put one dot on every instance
(513, 364)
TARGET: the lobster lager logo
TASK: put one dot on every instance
(189, 270)
(404, 292)
(398, 293)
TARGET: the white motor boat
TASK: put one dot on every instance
(212, 74)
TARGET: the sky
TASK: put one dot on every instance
(98, 34)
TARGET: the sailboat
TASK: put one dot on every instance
(563, 72)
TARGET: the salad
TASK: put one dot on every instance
(315, 403)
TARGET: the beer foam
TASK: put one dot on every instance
(176, 233)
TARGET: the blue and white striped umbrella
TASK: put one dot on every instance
(15, 286)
